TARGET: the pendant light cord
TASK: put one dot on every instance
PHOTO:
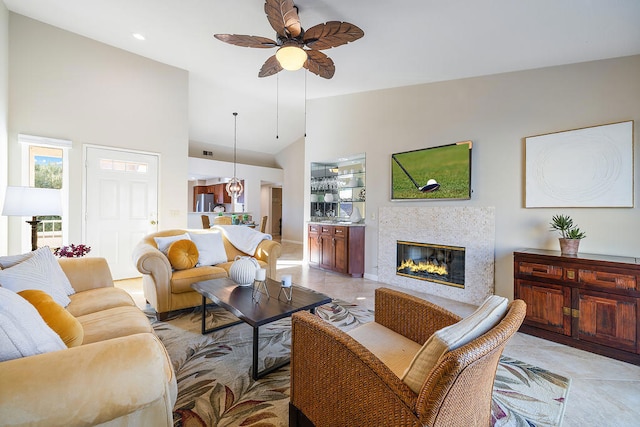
(235, 139)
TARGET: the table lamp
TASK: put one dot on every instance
(33, 202)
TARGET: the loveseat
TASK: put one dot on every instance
(168, 288)
(119, 374)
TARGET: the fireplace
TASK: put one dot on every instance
(469, 227)
(431, 262)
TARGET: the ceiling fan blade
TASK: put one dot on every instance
(283, 17)
(246, 41)
(320, 64)
(331, 34)
(270, 67)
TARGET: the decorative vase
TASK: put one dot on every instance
(569, 246)
(328, 197)
(243, 270)
(355, 215)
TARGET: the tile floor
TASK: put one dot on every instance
(603, 392)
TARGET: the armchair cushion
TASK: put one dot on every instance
(182, 254)
(210, 248)
(181, 280)
(57, 317)
(393, 349)
(40, 271)
(452, 337)
(22, 330)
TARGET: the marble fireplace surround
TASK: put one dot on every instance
(470, 227)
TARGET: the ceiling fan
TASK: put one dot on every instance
(297, 48)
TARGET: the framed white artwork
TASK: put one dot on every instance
(589, 167)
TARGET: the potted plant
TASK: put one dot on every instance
(570, 234)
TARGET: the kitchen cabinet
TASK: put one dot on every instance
(337, 248)
(219, 191)
(587, 301)
(220, 194)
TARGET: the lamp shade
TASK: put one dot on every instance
(291, 58)
(31, 201)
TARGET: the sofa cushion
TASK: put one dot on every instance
(210, 247)
(23, 332)
(40, 271)
(393, 349)
(60, 320)
(182, 254)
(164, 242)
(113, 323)
(182, 280)
(446, 339)
(58, 274)
(93, 300)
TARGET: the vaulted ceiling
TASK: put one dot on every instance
(405, 43)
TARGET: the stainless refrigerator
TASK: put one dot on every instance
(205, 203)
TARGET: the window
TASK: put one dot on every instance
(46, 160)
(45, 171)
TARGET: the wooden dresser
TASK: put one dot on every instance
(588, 301)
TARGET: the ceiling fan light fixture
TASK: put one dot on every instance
(291, 58)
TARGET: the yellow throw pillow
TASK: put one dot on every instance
(183, 254)
(56, 316)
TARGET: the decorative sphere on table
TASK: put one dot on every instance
(243, 270)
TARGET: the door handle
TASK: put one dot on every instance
(153, 222)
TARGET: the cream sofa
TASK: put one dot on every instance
(121, 375)
(167, 290)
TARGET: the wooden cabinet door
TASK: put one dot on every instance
(340, 250)
(218, 193)
(548, 305)
(326, 247)
(314, 244)
(607, 319)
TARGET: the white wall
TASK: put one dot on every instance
(292, 160)
(4, 117)
(66, 86)
(495, 112)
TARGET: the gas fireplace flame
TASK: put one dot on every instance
(423, 267)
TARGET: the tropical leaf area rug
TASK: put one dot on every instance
(215, 387)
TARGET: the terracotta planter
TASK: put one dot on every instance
(569, 246)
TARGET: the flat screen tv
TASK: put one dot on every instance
(442, 172)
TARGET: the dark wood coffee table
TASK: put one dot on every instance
(239, 301)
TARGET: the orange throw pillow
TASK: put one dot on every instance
(183, 254)
(56, 316)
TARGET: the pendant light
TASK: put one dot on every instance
(234, 186)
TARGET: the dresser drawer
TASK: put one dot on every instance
(607, 280)
(539, 270)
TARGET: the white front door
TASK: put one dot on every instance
(121, 204)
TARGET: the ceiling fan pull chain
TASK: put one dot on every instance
(277, 106)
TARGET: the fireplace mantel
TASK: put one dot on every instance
(470, 227)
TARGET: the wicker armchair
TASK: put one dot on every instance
(336, 381)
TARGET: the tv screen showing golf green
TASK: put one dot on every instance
(433, 173)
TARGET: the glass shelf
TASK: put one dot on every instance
(345, 180)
